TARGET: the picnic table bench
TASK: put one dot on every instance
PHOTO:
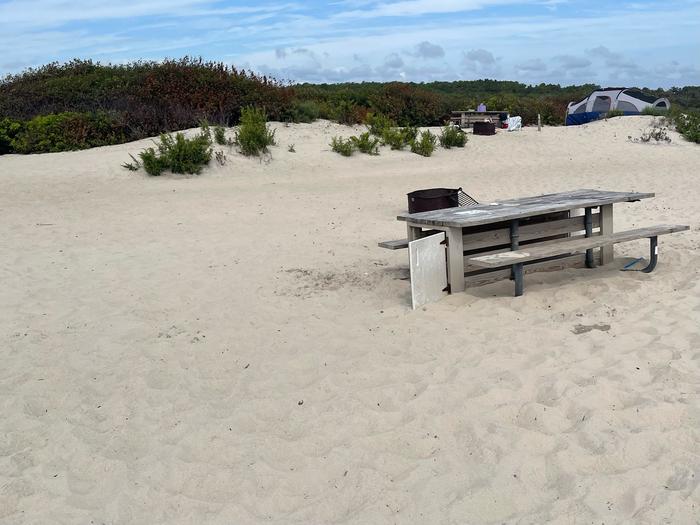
(506, 239)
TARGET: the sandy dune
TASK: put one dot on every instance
(235, 348)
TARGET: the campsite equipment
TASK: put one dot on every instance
(423, 199)
(599, 103)
(544, 232)
(484, 128)
(514, 123)
(437, 199)
(432, 199)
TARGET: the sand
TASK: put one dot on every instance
(235, 348)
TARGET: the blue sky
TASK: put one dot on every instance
(645, 43)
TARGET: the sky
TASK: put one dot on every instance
(641, 43)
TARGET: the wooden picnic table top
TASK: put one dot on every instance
(520, 208)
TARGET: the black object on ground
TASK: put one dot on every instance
(484, 128)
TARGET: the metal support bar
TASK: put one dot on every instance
(653, 254)
(518, 273)
(514, 243)
(588, 221)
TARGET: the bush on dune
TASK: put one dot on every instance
(399, 138)
(378, 124)
(654, 112)
(68, 131)
(177, 153)
(425, 144)
(220, 135)
(344, 147)
(452, 136)
(615, 113)
(366, 143)
(254, 136)
(688, 125)
(9, 130)
(144, 98)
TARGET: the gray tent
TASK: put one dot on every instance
(598, 103)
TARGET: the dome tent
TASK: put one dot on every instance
(629, 101)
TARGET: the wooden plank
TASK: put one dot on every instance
(455, 260)
(483, 277)
(573, 245)
(520, 208)
(398, 244)
(607, 253)
(469, 267)
(474, 241)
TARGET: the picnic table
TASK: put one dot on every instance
(466, 119)
(477, 236)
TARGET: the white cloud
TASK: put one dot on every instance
(535, 65)
(572, 62)
(352, 37)
(428, 50)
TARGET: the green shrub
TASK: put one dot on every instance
(220, 135)
(379, 124)
(68, 131)
(398, 138)
(178, 154)
(366, 143)
(410, 133)
(254, 136)
(394, 138)
(452, 136)
(304, 111)
(348, 112)
(654, 112)
(9, 129)
(688, 125)
(345, 147)
(615, 113)
(147, 97)
(425, 145)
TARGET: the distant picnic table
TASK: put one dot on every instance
(466, 119)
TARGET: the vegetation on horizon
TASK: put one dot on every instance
(82, 104)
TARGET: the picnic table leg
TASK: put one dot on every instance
(516, 272)
(606, 228)
(413, 233)
(455, 260)
(590, 262)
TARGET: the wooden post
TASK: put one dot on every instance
(455, 260)
(539, 122)
(607, 253)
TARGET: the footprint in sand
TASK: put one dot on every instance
(583, 328)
